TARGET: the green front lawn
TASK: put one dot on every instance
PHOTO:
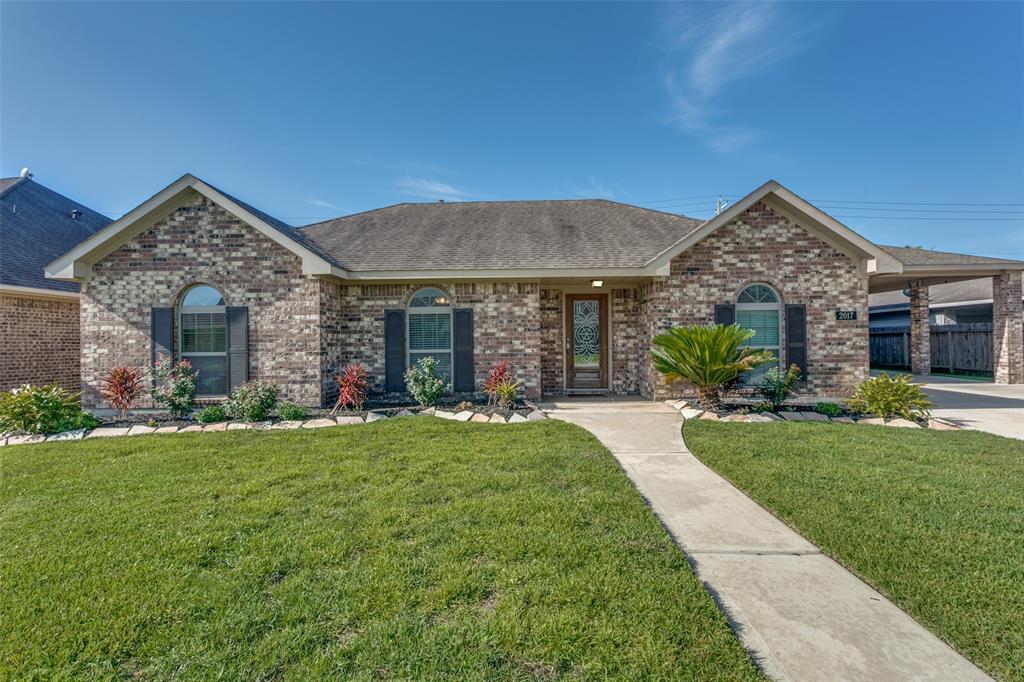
(408, 548)
(933, 519)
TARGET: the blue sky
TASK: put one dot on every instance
(314, 110)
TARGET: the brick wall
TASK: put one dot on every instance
(39, 342)
(200, 242)
(628, 344)
(761, 245)
(506, 326)
(1007, 329)
(552, 356)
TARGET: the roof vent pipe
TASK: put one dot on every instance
(75, 214)
(25, 173)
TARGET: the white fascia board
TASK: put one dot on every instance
(77, 263)
(312, 263)
(870, 258)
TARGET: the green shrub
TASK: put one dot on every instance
(425, 386)
(252, 401)
(828, 409)
(891, 396)
(292, 412)
(43, 409)
(211, 415)
(175, 386)
(778, 385)
(711, 357)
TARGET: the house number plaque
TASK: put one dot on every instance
(846, 314)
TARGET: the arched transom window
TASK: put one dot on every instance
(430, 329)
(759, 308)
(202, 338)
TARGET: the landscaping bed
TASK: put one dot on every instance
(405, 549)
(748, 412)
(935, 521)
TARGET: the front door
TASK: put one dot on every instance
(586, 340)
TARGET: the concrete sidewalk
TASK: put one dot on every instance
(800, 614)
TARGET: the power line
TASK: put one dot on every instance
(900, 203)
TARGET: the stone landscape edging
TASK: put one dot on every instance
(688, 412)
(315, 423)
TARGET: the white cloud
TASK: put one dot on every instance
(324, 204)
(714, 45)
(593, 189)
(431, 189)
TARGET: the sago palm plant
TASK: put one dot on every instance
(707, 356)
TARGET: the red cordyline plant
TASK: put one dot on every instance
(352, 385)
(499, 374)
(121, 387)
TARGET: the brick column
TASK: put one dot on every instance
(920, 335)
(1007, 328)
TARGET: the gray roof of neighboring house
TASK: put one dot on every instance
(912, 256)
(939, 295)
(35, 227)
(583, 233)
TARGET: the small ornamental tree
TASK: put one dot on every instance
(496, 375)
(776, 386)
(121, 387)
(352, 385)
(425, 386)
(252, 401)
(175, 386)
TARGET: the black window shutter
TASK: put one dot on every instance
(394, 351)
(162, 332)
(462, 347)
(796, 338)
(238, 346)
(725, 313)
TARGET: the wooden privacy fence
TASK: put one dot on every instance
(955, 348)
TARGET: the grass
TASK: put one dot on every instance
(408, 548)
(933, 519)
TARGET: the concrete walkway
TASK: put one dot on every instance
(800, 614)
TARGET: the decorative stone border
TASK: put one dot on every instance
(317, 423)
(689, 412)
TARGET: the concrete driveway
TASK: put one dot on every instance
(981, 405)
(800, 614)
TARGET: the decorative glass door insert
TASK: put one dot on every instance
(586, 345)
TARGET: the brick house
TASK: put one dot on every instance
(570, 292)
(39, 339)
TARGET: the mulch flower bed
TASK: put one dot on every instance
(798, 413)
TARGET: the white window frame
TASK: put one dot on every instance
(776, 306)
(184, 309)
(431, 310)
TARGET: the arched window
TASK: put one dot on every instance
(430, 329)
(759, 308)
(202, 338)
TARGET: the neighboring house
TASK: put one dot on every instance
(968, 302)
(39, 321)
(571, 293)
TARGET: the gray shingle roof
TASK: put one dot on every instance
(6, 183)
(941, 294)
(36, 227)
(910, 256)
(585, 233)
